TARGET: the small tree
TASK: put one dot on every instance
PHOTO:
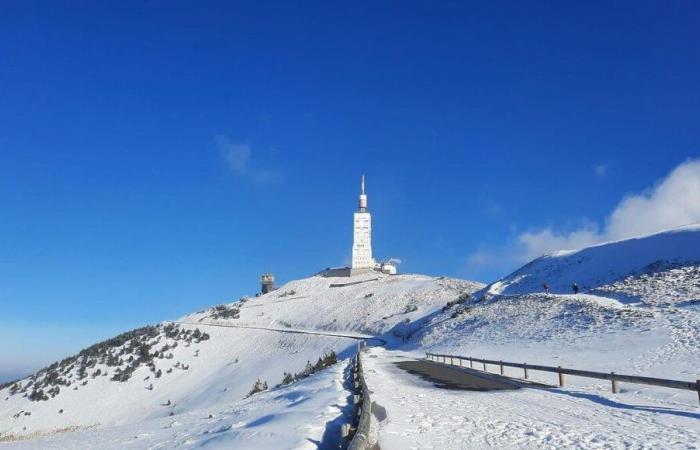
(330, 359)
(259, 386)
(288, 378)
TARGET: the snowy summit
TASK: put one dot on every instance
(274, 367)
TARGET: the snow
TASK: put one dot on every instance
(298, 416)
(638, 313)
(275, 333)
(419, 416)
(601, 264)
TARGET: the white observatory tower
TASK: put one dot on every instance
(362, 260)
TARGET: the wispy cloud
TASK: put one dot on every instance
(237, 156)
(600, 170)
(672, 202)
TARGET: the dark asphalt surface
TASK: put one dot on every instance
(452, 377)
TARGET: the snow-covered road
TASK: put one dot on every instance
(421, 416)
(344, 335)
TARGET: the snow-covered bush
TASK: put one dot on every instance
(224, 312)
(328, 359)
(259, 386)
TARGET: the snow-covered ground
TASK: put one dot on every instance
(602, 264)
(420, 416)
(261, 338)
(638, 312)
(301, 416)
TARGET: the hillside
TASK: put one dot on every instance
(602, 265)
(185, 383)
(213, 357)
(638, 312)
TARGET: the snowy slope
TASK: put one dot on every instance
(205, 359)
(606, 263)
(638, 313)
(296, 416)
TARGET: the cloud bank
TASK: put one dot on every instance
(674, 201)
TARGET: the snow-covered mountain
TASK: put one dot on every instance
(186, 383)
(638, 311)
(599, 266)
(214, 357)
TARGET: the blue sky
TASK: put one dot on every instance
(156, 157)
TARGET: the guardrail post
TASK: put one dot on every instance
(501, 367)
(561, 378)
(698, 386)
(527, 377)
(615, 387)
(485, 366)
(471, 362)
(452, 361)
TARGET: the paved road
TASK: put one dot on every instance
(451, 377)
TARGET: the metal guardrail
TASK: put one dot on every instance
(612, 376)
(360, 439)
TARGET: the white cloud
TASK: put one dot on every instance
(237, 156)
(672, 202)
(536, 243)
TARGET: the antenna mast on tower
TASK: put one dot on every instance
(363, 196)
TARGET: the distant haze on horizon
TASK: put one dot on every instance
(150, 171)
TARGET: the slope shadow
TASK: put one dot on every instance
(614, 404)
(331, 436)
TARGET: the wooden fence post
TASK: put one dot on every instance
(501, 367)
(527, 377)
(561, 378)
(615, 387)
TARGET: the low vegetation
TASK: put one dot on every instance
(460, 300)
(327, 360)
(224, 312)
(259, 386)
(124, 354)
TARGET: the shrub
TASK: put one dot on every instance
(328, 359)
(225, 312)
(259, 386)
(38, 395)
